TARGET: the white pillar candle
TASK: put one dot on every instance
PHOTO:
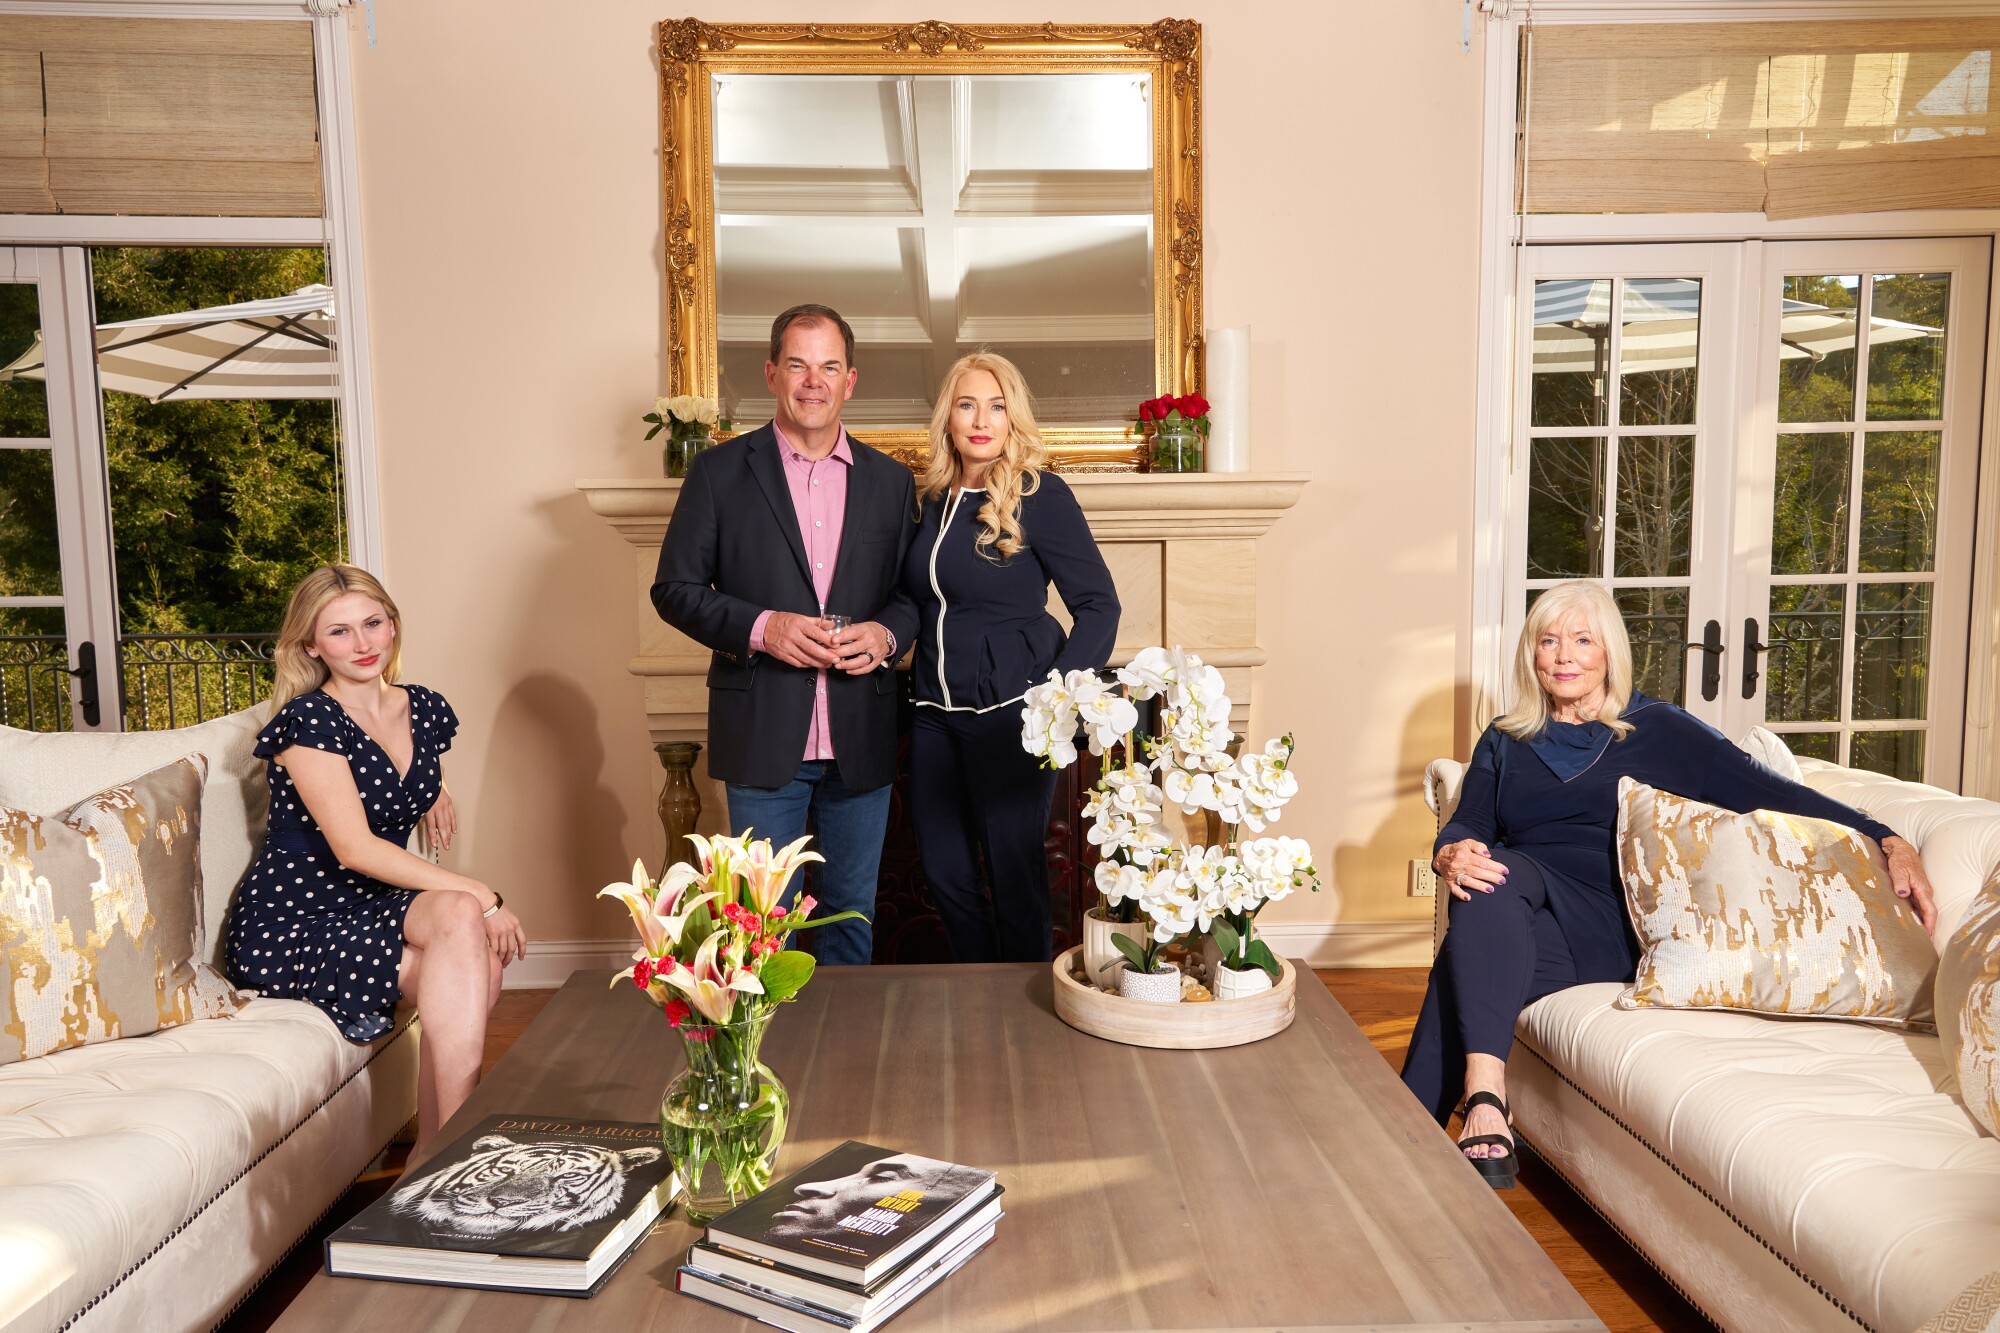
(1229, 400)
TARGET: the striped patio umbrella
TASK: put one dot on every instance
(279, 348)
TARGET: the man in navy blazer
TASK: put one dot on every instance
(773, 531)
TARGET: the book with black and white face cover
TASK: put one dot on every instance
(855, 1213)
(520, 1203)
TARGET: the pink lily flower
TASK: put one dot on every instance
(766, 873)
(712, 987)
(652, 906)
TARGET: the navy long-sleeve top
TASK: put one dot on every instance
(985, 632)
(1514, 798)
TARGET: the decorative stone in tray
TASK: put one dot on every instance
(1169, 1026)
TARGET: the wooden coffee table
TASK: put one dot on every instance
(1288, 1184)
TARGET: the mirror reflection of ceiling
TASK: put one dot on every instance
(941, 214)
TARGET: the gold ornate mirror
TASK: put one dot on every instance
(1035, 190)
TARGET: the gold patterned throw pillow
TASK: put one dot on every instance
(1764, 912)
(101, 917)
(1968, 1005)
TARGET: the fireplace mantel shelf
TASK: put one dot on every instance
(1182, 550)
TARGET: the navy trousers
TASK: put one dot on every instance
(974, 790)
(1502, 951)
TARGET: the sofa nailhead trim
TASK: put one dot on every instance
(281, 1140)
(1691, 1183)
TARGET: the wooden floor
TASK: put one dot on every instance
(1626, 1294)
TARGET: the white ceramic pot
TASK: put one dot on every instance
(1162, 987)
(1098, 950)
(1228, 983)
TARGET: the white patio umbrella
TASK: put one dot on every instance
(1573, 322)
(279, 348)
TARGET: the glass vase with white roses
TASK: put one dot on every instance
(712, 957)
(1176, 889)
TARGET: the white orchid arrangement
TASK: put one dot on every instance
(1143, 874)
(682, 414)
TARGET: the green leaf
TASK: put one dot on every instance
(1261, 956)
(1225, 937)
(824, 920)
(785, 973)
(1135, 952)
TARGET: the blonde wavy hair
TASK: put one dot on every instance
(1529, 715)
(1015, 473)
(299, 672)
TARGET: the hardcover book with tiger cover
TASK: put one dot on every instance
(520, 1203)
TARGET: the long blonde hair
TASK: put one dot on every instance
(299, 672)
(1015, 473)
(1529, 715)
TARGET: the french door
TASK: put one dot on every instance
(1768, 452)
(58, 607)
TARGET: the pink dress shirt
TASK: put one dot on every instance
(819, 498)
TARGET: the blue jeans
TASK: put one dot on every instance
(848, 832)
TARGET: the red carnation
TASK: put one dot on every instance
(642, 973)
(678, 1012)
(1192, 405)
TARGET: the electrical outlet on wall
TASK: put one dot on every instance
(1423, 880)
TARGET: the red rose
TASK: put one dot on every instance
(1193, 405)
(1146, 410)
(677, 1012)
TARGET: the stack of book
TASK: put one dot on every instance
(521, 1203)
(846, 1242)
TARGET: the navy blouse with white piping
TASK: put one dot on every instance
(987, 634)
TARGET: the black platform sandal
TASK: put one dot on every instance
(1502, 1173)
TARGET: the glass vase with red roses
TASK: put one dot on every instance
(1175, 429)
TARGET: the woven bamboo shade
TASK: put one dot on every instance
(1790, 119)
(158, 116)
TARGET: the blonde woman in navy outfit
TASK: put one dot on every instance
(995, 529)
(336, 911)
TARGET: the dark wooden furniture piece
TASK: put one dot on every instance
(1288, 1184)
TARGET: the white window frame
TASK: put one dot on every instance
(1501, 232)
(338, 230)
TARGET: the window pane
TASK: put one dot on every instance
(24, 403)
(1816, 356)
(1660, 333)
(1656, 621)
(1813, 744)
(1892, 631)
(1802, 670)
(1565, 509)
(1899, 501)
(1906, 347)
(1809, 504)
(1655, 506)
(1900, 754)
(1572, 350)
(30, 565)
(34, 669)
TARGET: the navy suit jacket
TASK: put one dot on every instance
(733, 551)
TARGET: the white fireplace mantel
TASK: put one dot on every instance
(1182, 550)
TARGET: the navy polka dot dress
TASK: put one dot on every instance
(306, 927)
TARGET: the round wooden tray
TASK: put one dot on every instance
(1174, 1027)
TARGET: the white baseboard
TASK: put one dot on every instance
(1351, 943)
(549, 962)
(1322, 944)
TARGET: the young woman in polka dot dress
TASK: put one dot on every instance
(337, 911)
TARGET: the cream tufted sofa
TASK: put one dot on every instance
(149, 1183)
(1781, 1173)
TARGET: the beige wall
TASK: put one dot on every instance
(509, 171)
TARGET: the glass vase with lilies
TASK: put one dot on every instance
(712, 957)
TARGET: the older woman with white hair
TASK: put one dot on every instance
(1531, 861)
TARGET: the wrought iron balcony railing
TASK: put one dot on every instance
(165, 680)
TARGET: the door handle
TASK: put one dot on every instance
(85, 672)
(1753, 653)
(1711, 663)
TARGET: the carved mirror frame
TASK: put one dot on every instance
(1169, 50)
